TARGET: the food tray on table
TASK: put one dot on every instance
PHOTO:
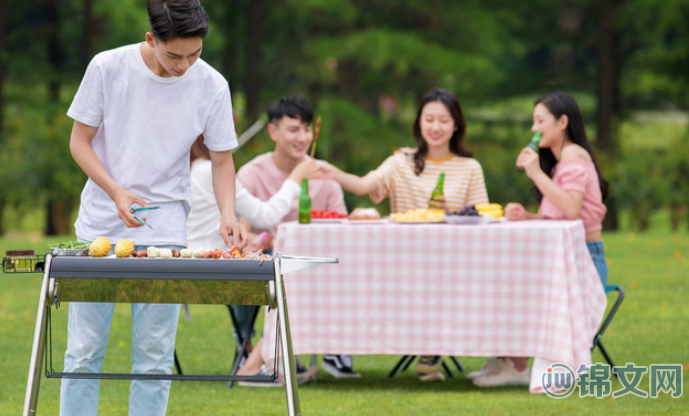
(71, 248)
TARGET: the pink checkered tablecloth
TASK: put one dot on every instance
(524, 289)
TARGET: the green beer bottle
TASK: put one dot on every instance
(533, 144)
(438, 191)
(304, 203)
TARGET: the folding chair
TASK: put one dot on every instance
(597, 339)
(406, 361)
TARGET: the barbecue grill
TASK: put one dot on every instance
(177, 280)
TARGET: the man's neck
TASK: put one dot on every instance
(285, 165)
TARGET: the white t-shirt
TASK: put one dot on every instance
(146, 126)
(203, 224)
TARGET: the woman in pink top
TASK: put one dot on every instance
(569, 186)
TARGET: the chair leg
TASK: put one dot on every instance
(178, 366)
(242, 340)
(404, 361)
(607, 357)
(457, 364)
(407, 360)
(447, 368)
(410, 359)
(597, 339)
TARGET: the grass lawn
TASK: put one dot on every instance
(651, 327)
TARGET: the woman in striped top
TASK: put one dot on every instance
(410, 174)
(408, 177)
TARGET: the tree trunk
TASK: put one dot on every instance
(53, 23)
(252, 53)
(233, 23)
(4, 7)
(87, 34)
(59, 216)
(608, 111)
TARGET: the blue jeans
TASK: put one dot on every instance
(154, 327)
(598, 256)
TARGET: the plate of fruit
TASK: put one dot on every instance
(468, 215)
(327, 215)
(419, 216)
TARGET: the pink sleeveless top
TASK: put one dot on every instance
(578, 175)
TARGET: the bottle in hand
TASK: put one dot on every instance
(304, 209)
(535, 140)
(438, 191)
(533, 144)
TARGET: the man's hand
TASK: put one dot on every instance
(123, 201)
(230, 227)
(324, 170)
(309, 169)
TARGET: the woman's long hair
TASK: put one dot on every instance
(559, 104)
(457, 147)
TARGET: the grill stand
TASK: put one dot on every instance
(277, 297)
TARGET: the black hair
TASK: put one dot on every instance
(172, 19)
(199, 150)
(293, 106)
(559, 104)
(457, 146)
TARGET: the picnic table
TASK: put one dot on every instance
(525, 289)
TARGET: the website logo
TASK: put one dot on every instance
(560, 380)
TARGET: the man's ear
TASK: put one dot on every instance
(272, 130)
(150, 39)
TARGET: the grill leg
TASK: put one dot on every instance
(38, 347)
(288, 362)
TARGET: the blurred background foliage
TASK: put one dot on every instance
(364, 64)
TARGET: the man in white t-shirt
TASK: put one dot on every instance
(136, 114)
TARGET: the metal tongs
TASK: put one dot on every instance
(137, 210)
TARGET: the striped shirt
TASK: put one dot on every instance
(464, 183)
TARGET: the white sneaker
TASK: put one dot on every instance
(490, 366)
(507, 376)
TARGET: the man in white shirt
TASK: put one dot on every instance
(136, 114)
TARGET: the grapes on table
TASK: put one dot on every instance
(467, 211)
